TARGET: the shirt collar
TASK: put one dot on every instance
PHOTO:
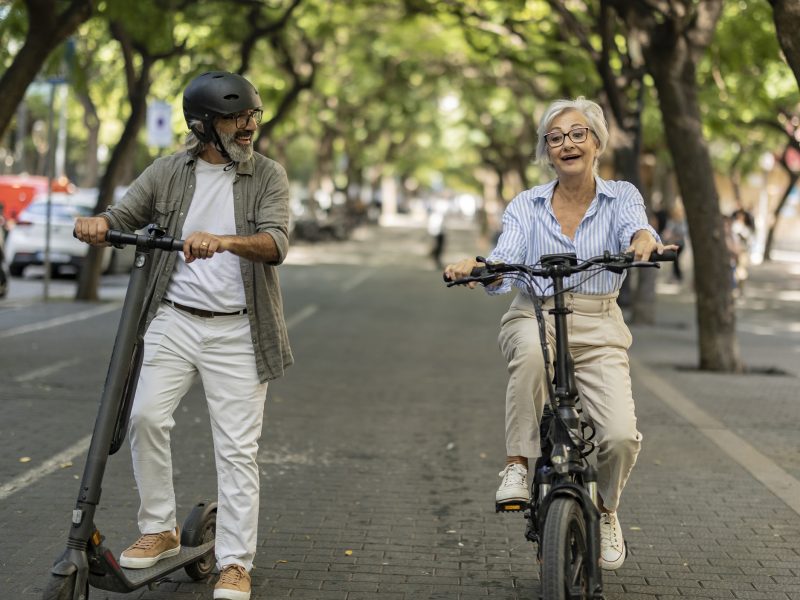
(602, 187)
(243, 168)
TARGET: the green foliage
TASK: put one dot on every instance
(744, 84)
(420, 88)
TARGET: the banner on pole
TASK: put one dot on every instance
(159, 124)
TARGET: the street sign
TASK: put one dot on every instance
(159, 124)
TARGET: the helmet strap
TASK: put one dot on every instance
(218, 145)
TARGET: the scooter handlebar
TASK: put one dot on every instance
(122, 238)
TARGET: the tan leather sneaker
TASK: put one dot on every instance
(151, 548)
(233, 584)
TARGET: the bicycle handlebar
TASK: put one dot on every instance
(565, 267)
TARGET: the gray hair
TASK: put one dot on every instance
(193, 145)
(594, 117)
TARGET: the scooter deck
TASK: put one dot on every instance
(128, 579)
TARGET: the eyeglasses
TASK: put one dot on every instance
(243, 118)
(578, 135)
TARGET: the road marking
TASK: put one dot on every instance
(79, 316)
(356, 281)
(53, 464)
(761, 467)
(45, 371)
(47, 467)
(304, 313)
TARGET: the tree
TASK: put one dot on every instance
(674, 34)
(145, 54)
(787, 24)
(50, 22)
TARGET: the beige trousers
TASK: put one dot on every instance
(599, 342)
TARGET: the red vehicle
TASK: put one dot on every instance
(17, 191)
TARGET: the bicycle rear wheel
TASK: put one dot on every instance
(564, 552)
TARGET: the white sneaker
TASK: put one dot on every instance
(612, 546)
(514, 485)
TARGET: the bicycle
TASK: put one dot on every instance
(562, 516)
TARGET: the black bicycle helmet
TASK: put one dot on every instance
(214, 94)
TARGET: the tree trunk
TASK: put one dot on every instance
(786, 14)
(47, 28)
(121, 156)
(671, 64)
(91, 166)
(793, 177)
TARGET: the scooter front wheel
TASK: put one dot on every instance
(62, 588)
(199, 528)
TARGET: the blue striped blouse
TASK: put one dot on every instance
(530, 229)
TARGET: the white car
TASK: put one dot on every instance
(25, 245)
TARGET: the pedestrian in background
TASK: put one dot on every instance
(578, 213)
(437, 232)
(215, 311)
(675, 232)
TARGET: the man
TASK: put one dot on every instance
(215, 310)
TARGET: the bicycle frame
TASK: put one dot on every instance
(562, 469)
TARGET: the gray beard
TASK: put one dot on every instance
(237, 152)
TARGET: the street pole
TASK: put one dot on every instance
(50, 168)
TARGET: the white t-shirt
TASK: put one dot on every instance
(214, 283)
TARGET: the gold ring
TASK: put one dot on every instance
(204, 244)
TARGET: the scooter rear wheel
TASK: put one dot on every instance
(61, 588)
(199, 528)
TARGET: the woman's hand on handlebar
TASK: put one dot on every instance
(92, 230)
(203, 245)
(644, 244)
(462, 269)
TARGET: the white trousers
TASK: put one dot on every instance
(177, 348)
(598, 342)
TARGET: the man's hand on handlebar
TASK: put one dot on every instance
(203, 245)
(92, 230)
(644, 244)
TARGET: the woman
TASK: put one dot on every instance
(577, 212)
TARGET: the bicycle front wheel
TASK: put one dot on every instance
(564, 552)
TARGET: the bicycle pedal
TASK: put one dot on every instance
(510, 506)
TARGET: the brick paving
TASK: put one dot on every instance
(382, 446)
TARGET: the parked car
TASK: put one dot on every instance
(3, 275)
(25, 245)
(17, 191)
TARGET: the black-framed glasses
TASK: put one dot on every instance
(243, 118)
(578, 135)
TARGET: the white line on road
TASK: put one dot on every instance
(304, 313)
(356, 281)
(47, 467)
(56, 462)
(45, 371)
(79, 316)
(775, 479)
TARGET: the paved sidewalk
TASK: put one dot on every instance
(382, 446)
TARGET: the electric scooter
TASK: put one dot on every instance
(86, 561)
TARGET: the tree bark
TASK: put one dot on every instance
(47, 29)
(92, 124)
(670, 60)
(122, 154)
(793, 177)
(786, 14)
